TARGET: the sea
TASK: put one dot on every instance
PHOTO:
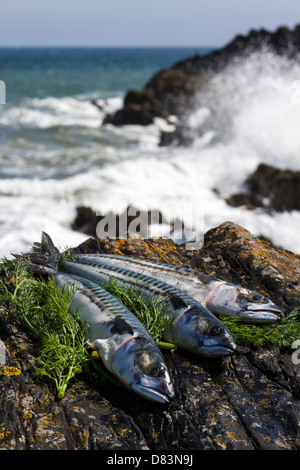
(55, 154)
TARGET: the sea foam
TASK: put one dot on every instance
(250, 115)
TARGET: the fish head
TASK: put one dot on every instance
(250, 306)
(139, 364)
(200, 332)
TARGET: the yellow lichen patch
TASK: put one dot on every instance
(85, 439)
(219, 443)
(296, 442)
(123, 433)
(78, 409)
(209, 399)
(83, 436)
(114, 418)
(4, 432)
(234, 437)
(155, 436)
(159, 249)
(231, 435)
(265, 403)
(267, 439)
(47, 430)
(10, 371)
(281, 444)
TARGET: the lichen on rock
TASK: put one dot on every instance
(248, 401)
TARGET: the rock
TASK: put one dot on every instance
(85, 221)
(131, 220)
(133, 116)
(231, 252)
(172, 90)
(182, 135)
(271, 188)
(247, 402)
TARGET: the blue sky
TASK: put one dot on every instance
(138, 22)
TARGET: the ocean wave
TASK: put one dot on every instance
(179, 189)
(254, 103)
(249, 116)
(53, 112)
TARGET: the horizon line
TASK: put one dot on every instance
(61, 46)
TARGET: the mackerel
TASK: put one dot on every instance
(194, 327)
(124, 345)
(218, 296)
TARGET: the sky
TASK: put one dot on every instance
(139, 22)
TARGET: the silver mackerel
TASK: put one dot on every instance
(124, 345)
(218, 296)
(194, 328)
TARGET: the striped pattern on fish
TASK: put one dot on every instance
(124, 345)
(195, 328)
(220, 297)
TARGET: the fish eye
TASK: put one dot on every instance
(214, 330)
(154, 370)
(254, 297)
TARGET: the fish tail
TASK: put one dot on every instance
(49, 250)
(44, 256)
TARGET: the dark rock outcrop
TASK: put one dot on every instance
(271, 188)
(85, 221)
(131, 220)
(171, 91)
(249, 401)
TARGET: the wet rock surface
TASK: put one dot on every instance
(273, 189)
(248, 401)
(172, 90)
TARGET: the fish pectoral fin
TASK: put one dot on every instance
(107, 347)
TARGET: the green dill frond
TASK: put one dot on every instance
(44, 308)
(152, 313)
(282, 334)
(62, 351)
(289, 329)
(67, 254)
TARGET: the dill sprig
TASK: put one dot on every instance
(44, 308)
(66, 254)
(282, 334)
(152, 313)
(62, 351)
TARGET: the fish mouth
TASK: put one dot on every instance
(152, 394)
(262, 315)
(215, 350)
(218, 351)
